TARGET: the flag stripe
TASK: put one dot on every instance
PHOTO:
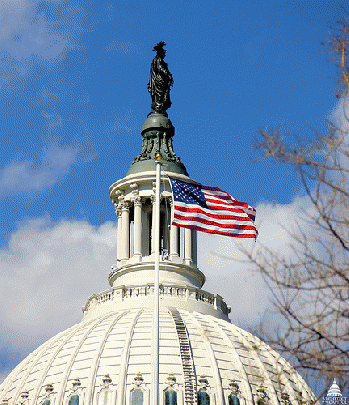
(211, 210)
(212, 224)
(217, 231)
(217, 210)
(205, 213)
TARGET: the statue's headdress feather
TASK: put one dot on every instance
(159, 46)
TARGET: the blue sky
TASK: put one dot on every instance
(74, 96)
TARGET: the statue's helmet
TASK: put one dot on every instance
(159, 48)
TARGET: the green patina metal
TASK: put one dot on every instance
(157, 133)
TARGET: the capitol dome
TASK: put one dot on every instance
(108, 358)
(197, 352)
(334, 390)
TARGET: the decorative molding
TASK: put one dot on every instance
(123, 293)
(134, 187)
(124, 205)
(137, 200)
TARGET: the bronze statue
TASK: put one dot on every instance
(160, 81)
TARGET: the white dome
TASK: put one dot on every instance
(334, 390)
(119, 344)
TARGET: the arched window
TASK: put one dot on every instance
(46, 402)
(74, 400)
(104, 397)
(233, 399)
(203, 398)
(170, 397)
(137, 397)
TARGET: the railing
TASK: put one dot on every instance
(186, 293)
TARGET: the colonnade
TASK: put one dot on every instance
(177, 244)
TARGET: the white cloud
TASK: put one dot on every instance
(34, 32)
(18, 177)
(123, 47)
(276, 222)
(47, 274)
(122, 122)
(340, 114)
(12, 16)
(27, 29)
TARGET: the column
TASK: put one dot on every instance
(119, 235)
(194, 246)
(173, 236)
(125, 230)
(145, 230)
(153, 225)
(188, 246)
(166, 232)
(138, 227)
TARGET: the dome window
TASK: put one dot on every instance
(170, 397)
(74, 398)
(233, 396)
(137, 393)
(203, 396)
(137, 397)
(262, 397)
(285, 398)
(104, 395)
(24, 398)
(170, 392)
(47, 396)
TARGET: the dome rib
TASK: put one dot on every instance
(124, 359)
(17, 370)
(70, 362)
(90, 391)
(72, 331)
(37, 354)
(281, 375)
(244, 378)
(266, 378)
(299, 384)
(217, 377)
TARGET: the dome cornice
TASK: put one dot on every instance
(121, 186)
(170, 272)
(171, 295)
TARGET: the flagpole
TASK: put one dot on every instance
(156, 283)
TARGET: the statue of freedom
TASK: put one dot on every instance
(160, 81)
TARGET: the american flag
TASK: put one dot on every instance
(211, 210)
